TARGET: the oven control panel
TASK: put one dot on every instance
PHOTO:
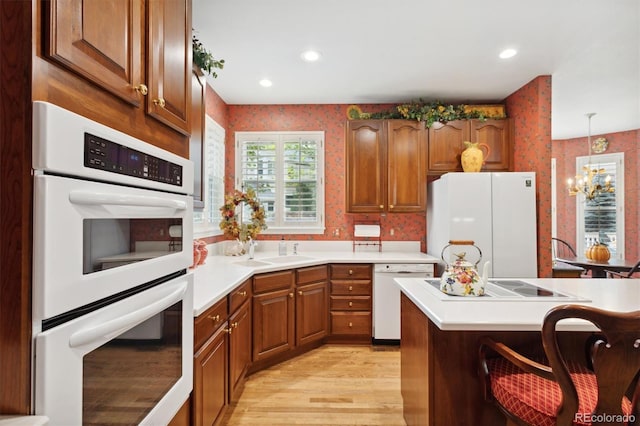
(112, 157)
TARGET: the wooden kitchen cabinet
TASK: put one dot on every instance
(386, 164)
(239, 338)
(211, 365)
(273, 314)
(312, 304)
(446, 143)
(350, 304)
(140, 53)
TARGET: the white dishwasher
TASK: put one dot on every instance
(386, 296)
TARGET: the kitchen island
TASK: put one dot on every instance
(440, 333)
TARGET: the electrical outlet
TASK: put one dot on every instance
(336, 232)
(162, 232)
(391, 232)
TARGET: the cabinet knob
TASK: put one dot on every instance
(390, 206)
(228, 330)
(235, 324)
(291, 295)
(350, 288)
(159, 102)
(350, 324)
(381, 206)
(300, 292)
(350, 303)
(350, 271)
(142, 89)
(214, 318)
(242, 293)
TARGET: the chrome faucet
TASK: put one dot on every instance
(252, 247)
(295, 248)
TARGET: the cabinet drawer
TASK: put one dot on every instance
(350, 271)
(351, 323)
(208, 322)
(311, 275)
(272, 281)
(360, 288)
(355, 303)
(239, 295)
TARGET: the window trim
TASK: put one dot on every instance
(618, 158)
(320, 226)
(208, 228)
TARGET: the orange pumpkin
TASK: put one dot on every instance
(598, 253)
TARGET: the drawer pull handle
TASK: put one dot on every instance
(350, 303)
(350, 324)
(242, 293)
(142, 89)
(291, 295)
(214, 318)
(350, 271)
(350, 288)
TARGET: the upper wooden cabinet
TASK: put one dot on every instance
(141, 56)
(446, 143)
(386, 166)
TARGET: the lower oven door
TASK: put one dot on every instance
(127, 363)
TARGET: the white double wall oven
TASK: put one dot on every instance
(112, 296)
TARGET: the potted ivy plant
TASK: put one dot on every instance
(204, 59)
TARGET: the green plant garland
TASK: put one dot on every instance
(229, 223)
(204, 59)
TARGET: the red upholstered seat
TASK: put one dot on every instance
(536, 400)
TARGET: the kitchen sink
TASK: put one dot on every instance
(251, 263)
(287, 259)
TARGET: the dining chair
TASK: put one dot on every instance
(561, 249)
(557, 391)
(628, 274)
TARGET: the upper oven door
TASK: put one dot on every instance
(93, 240)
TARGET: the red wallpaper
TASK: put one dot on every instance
(530, 107)
(565, 153)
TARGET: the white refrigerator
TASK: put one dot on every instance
(495, 210)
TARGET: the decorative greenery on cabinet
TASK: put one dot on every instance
(204, 59)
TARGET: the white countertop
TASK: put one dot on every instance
(221, 274)
(480, 313)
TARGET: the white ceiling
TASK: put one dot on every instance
(379, 51)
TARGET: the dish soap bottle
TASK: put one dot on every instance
(282, 248)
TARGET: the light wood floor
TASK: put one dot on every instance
(331, 385)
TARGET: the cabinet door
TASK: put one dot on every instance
(446, 143)
(366, 166)
(273, 323)
(312, 304)
(169, 59)
(210, 380)
(407, 166)
(99, 40)
(497, 135)
(239, 349)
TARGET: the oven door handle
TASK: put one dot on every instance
(110, 329)
(101, 198)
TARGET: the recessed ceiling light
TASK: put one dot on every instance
(310, 55)
(508, 53)
(266, 82)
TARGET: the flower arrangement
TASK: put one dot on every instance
(229, 223)
(204, 59)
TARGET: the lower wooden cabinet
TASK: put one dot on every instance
(239, 349)
(350, 305)
(312, 302)
(273, 314)
(210, 368)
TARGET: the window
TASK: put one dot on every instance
(206, 221)
(602, 219)
(286, 169)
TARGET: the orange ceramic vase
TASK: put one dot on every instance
(473, 158)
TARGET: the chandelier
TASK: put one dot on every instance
(593, 182)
